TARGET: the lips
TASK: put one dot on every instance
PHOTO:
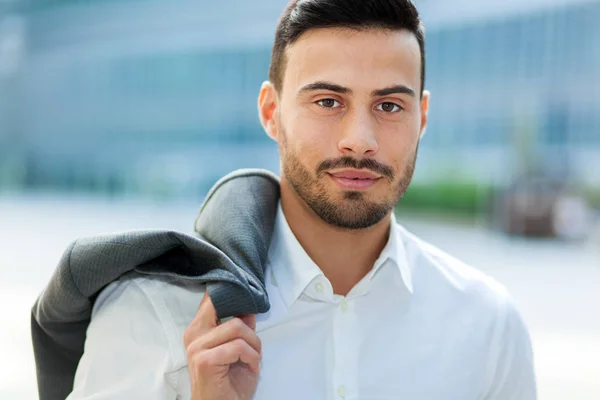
(355, 175)
(354, 180)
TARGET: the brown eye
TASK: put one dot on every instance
(388, 107)
(328, 103)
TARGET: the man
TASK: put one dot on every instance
(360, 308)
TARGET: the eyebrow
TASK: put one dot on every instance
(321, 85)
(397, 89)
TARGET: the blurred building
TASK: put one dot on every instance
(157, 96)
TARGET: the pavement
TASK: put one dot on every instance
(556, 285)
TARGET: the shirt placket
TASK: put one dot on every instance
(345, 351)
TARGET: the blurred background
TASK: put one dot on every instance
(121, 114)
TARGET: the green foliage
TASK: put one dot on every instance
(593, 197)
(459, 197)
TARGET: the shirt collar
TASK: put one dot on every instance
(293, 270)
(395, 252)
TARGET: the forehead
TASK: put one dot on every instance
(358, 59)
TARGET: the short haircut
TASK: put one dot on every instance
(302, 15)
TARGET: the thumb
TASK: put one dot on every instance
(207, 313)
(205, 320)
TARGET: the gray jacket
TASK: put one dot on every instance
(228, 254)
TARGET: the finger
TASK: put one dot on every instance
(232, 352)
(227, 332)
(205, 320)
(205, 298)
(250, 320)
(207, 312)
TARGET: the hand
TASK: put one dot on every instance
(223, 359)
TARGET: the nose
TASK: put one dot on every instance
(358, 135)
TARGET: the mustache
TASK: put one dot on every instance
(349, 162)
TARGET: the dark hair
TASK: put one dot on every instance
(303, 15)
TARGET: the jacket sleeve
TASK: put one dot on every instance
(513, 366)
(127, 352)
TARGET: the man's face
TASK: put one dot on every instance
(348, 121)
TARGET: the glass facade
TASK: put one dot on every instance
(550, 58)
(100, 119)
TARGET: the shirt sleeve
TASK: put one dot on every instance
(514, 376)
(126, 354)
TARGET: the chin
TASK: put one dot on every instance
(353, 195)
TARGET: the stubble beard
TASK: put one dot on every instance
(353, 210)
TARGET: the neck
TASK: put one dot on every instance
(345, 256)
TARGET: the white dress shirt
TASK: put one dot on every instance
(420, 325)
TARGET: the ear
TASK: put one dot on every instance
(267, 106)
(424, 111)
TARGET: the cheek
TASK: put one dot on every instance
(398, 147)
(311, 141)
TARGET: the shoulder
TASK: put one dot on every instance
(449, 279)
(155, 306)
(133, 348)
(463, 296)
(150, 291)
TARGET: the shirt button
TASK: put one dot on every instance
(344, 305)
(319, 287)
(342, 391)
